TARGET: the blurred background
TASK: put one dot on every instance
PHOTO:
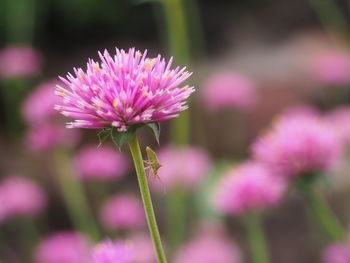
(252, 60)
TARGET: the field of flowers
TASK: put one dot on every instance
(180, 131)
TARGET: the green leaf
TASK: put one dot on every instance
(103, 136)
(155, 128)
(119, 138)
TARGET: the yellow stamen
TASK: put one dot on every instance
(115, 103)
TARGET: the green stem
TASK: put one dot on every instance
(74, 197)
(256, 239)
(323, 214)
(146, 198)
(176, 217)
(330, 15)
(179, 47)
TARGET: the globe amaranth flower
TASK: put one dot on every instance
(251, 186)
(142, 243)
(208, 248)
(112, 252)
(45, 131)
(298, 145)
(20, 197)
(331, 68)
(122, 90)
(38, 105)
(44, 137)
(336, 253)
(19, 61)
(63, 247)
(101, 163)
(183, 167)
(339, 118)
(226, 89)
(123, 212)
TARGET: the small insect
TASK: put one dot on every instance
(153, 163)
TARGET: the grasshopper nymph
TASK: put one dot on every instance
(153, 163)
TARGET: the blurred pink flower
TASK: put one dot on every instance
(124, 89)
(20, 197)
(142, 244)
(38, 107)
(184, 167)
(208, 248)
(112, 252)
(42, 138)
(301, 110)
(299, 144)
(340, 119)
(19, 61)
(123, 212)
(248, 187)
(101, 163)
(336, 253)
(63, 247)
(332, 68)
(226, 89)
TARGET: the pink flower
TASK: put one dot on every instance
(340, 119)
(38, 106)
(298, 144)
(226, 89)
(184, 167)
(123, 90)
(102, 163)
(20, 197)
(42, 138)
(336, 253)
(63, 247)
(250, 186)
(332, 68)
(144, 247)
(112, 252)
(19, 61)
(123, 212)
(208, 248)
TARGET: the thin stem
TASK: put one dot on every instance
(74, 197)
(177, 201)
(256, 239)
(146, 199)
(324, 215)
(330, 15)
(179, 47)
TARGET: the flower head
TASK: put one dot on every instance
(224, 90)
(123, 212)
(208, 248)
(299, 144)
(19, 61)
(340, 119)
(112, 252)
(125, 89)
(332, 68)
(63, 247)
(38, 106)
(184, 167)
(143, 245)
(336, 253)
(42, 138)
(101, 163)
(20, 197)
(250, 186)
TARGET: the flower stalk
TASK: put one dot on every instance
(75, 198)
(146, 199)
(256, 238)
(324, 215)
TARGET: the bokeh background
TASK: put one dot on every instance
(263, 56)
